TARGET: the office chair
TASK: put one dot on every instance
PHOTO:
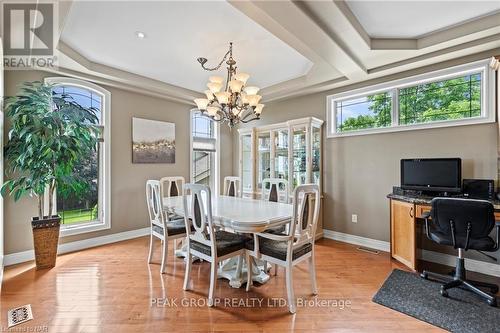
(464, 224)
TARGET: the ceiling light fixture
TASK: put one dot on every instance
(236, 102)
(140, 34)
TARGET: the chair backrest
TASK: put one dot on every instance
(452, 215)
(232, 186)
(275, 189)
(154, 202)
(171, 186)
(306, 205)
(198, 213)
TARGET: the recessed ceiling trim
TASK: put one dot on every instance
(437, 37)
(117, 75)
(437, 53)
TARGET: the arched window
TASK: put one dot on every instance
(90, 210)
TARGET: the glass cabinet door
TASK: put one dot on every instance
(281, 154)
(246, 162)
(316, 155)
(299, 158)
(263, 157)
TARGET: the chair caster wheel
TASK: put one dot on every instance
(492, 302)
(444, 293)
(424, 275)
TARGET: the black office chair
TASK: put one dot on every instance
(464, 224)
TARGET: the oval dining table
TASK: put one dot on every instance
(239, 215)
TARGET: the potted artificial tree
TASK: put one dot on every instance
(49, 135)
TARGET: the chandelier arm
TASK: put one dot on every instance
(216, 67)
(249, 120)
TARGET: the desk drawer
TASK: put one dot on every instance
(421, 209)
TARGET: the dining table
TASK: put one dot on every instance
(242, 216)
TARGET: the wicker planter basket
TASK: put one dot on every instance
(45, 239)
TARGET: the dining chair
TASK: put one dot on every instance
(275, 189)
(162, 227)
(232, 186)
(297, 245)
(172, 187)
(203, 240)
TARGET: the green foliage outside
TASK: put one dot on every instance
(49, 137)
(436, 101)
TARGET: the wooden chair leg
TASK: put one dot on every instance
(312, 274)
(150, 255)
(275, 270)
(249, 272)
(164, 256)
(213, 282)
(188, 270)
(289, 289)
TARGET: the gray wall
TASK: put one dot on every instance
(359, 171)
(128, 207)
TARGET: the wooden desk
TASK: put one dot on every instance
(405, 215)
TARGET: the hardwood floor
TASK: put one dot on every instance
(111, 288)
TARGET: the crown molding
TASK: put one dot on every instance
(119, 78)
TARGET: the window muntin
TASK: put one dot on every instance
(451, 99)
(364, 112)
(471, 87)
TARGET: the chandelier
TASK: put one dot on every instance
(233, 102)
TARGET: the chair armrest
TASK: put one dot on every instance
(497, 238)
(426, 217)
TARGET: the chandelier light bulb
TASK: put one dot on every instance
(214, 87)
(258, 109)
(244, 98)
(216, 79)
(251, 90)
(223, 97)
(212, 111)
(209, 95)
(201, 103)
(253, 100)
(236, 85)
(243, 77)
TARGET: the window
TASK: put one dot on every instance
(456, 96)
(204, 163)
(370, 111)
(89, 210)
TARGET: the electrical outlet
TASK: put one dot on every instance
(354, 218)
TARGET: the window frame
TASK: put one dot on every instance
(104, 221)
(217, 152)
(393, 87)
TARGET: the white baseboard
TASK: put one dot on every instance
(431, 256)
(19, 257)
(357, 240)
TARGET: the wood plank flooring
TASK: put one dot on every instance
(111, 288)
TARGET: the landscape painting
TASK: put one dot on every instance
(152, 141)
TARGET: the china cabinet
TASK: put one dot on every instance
(290, 150)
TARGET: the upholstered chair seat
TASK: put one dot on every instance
(226, 242)
(277, 249)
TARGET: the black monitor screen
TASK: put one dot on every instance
(443, 174)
